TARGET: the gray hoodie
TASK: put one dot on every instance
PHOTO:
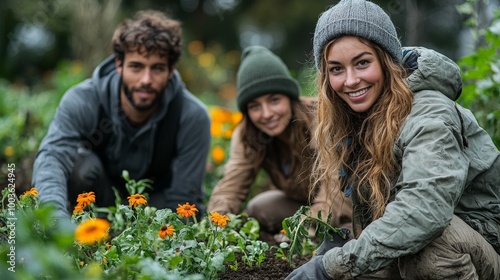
(128, 149)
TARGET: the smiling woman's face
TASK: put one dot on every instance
(270, 113)
(354, 72)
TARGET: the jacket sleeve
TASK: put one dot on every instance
(188, 166)
(431, 182)
(54, 159)
(239, 174)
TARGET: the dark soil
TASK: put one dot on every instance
(271, 268)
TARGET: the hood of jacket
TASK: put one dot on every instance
(435, 72)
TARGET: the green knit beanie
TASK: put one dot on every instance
(262, 72)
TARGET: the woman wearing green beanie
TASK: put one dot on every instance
(274, 135)
(424, 177)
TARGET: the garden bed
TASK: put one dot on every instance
(272, 268)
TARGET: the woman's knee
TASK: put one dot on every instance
(459, 253)
(270, 208)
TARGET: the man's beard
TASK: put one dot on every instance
(129, 94)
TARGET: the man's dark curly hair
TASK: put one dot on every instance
(150, 32)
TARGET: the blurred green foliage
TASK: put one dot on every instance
(25, 118)
(481, 73)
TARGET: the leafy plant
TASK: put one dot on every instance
(304, 230)
(481, 72)
(133, 241)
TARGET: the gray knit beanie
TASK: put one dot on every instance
(262, 72)
(360, 18)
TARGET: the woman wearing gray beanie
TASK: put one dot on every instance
(423, 176)
(274, 135)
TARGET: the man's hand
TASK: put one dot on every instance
(332, 241)
(312, 270)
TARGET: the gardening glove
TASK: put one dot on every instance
(333, 240)
(410, 59)
(311, 270)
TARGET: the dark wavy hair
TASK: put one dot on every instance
(150, 32)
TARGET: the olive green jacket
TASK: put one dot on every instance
(449, 166)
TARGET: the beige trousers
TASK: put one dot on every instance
(459, 253)
(270, 208)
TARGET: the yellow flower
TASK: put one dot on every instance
(104, 260)
(8, 151)
(220, 115)
(186, 210)
(218, 154)
(92, 231)
(283, 231)
(166, 230)
(85, 199)
(82, 263)
(236, 118)
(31, 191)
(136, 200)
(216, 129)
(78, 208)
(219, 219)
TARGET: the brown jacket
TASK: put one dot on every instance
(241, 170)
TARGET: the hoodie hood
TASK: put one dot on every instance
(435, 72)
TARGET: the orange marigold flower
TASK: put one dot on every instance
(92, 231)
(236, 117)
(186, 210)
(220, 115)
(78, 208)
(219, 219)
(136, 200)
(216, 129)
(31, 191)
(218, 154)
(85, 199)
(166, 230)
(283, 231)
